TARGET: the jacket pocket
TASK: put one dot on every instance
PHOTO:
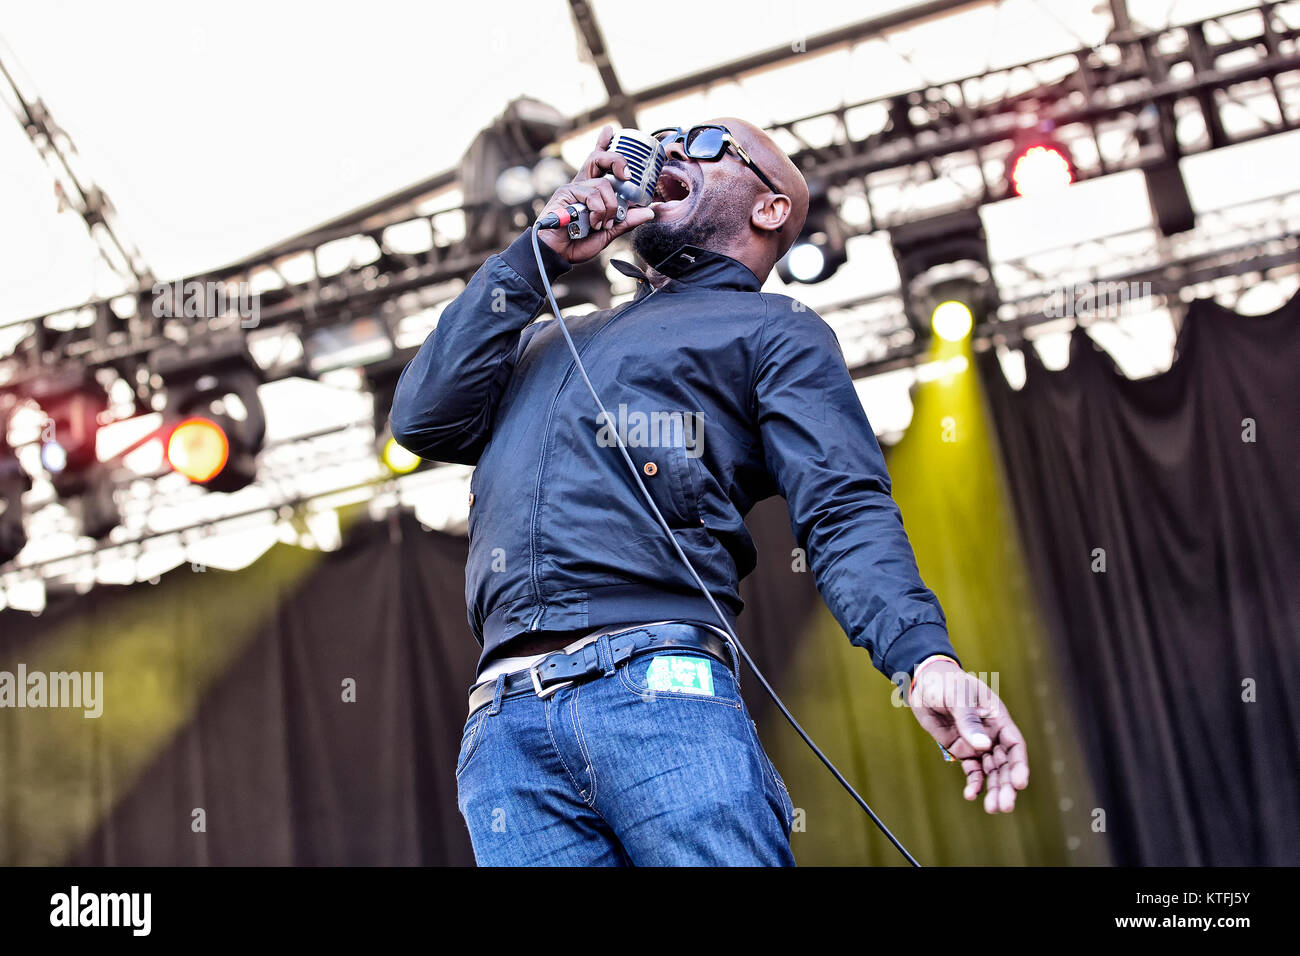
(685, 487)
(662, 445)
(662, 452)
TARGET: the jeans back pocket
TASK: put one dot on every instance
(680, 673)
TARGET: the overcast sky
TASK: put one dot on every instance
(218, 129)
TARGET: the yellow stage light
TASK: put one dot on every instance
(952, 321)
(398, 459)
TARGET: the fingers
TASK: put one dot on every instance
(606, 161)
(599, 203)
(1002, 767)
(1000, 792)
(603, 160)
(992, 785)
(999, 796)
(1010, 738)
(603, 204)
(600, 199)
(974, 778)
(1006, 792)
(971, 727)
(1002, 770)
(636, 215)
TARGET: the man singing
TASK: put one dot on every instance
(606, 725)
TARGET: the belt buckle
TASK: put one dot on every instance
(544, 692)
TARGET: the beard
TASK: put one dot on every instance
(712, 225)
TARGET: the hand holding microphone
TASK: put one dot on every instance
(583, 217)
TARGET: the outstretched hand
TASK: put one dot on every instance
(970, 721)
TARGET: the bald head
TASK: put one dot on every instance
(724, 205)
(778, 167)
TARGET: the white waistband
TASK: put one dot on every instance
(509, 665)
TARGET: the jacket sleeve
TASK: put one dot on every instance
(824, 458)
(447, 395)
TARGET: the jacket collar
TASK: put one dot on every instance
(698, 267)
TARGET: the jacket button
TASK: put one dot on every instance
(650, 468)
(471, 499)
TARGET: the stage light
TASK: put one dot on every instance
(806, 262)
(820, 249)
(1039, 165)
(381, 378)
(497, 180)
(198, 449)
(946, 282)
(550, 174)
(398, 459)
(73, 405)
(518, 185)
(514, 186)
(952, 320)
(54, 457)
(216, 382)
(957, 298)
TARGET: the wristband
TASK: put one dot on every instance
(917, 673)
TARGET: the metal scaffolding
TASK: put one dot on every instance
(1138, 101)
(1135, 102)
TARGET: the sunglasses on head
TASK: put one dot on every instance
(708, 143)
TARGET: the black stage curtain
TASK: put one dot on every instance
(1184, 652)
(224, 693)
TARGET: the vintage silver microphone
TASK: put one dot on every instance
(645, 159)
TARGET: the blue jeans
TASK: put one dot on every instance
(610, 772)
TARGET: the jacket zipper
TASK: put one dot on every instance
(541, 465)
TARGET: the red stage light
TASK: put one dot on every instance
(1041, 169)
(198, 449)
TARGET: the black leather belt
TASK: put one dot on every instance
(561, 668)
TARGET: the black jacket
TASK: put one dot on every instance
(725, 394)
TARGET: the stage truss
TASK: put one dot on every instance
(1133, 102)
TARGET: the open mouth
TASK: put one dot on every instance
(671, 187)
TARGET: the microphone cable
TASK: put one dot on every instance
(645, 493)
